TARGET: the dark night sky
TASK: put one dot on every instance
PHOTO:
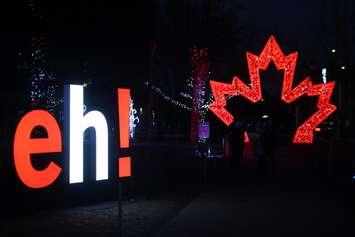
(120, 33)
(124, 23)
(82, 30)
(114, 38)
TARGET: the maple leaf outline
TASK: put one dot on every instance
(272, 52)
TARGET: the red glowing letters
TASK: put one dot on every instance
(24, 146)
(272, 52)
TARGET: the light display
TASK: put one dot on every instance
(51, 141)
(246, 137)
(39, 75)
(168, 98)
(324, 75)
(124, 167)
(204, 107)
(272, 52)
(200, 66)
(25, 146)
(78, 124)
(197, 93)
(124, 103)
(188, 96)
(43, 85)
(133, 119)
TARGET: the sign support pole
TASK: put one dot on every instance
(120, 208)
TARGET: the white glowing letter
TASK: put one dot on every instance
(78, 124)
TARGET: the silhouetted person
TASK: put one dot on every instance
(264, 143)
(236, 141)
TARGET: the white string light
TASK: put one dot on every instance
(42, 88)
(133, 119)
(204, 104)
(168, 98)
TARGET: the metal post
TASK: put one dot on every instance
(120, 208)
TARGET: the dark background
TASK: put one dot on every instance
(110, 44)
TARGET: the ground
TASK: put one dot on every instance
(141, 217)
(298, 194)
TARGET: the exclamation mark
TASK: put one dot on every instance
(124, 163)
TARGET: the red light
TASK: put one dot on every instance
(272, 52)
(124, 167)
(124, 163)
(24, 146)
(123, 113)
(246, 137)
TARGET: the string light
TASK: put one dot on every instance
(205, 105)
(185, 95)
(272, 52)
(42, 88)
(168, 98)
(324, 75)
(133, 119)
(202, 97)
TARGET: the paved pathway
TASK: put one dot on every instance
(265, 207)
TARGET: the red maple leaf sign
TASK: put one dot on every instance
(272, 52)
